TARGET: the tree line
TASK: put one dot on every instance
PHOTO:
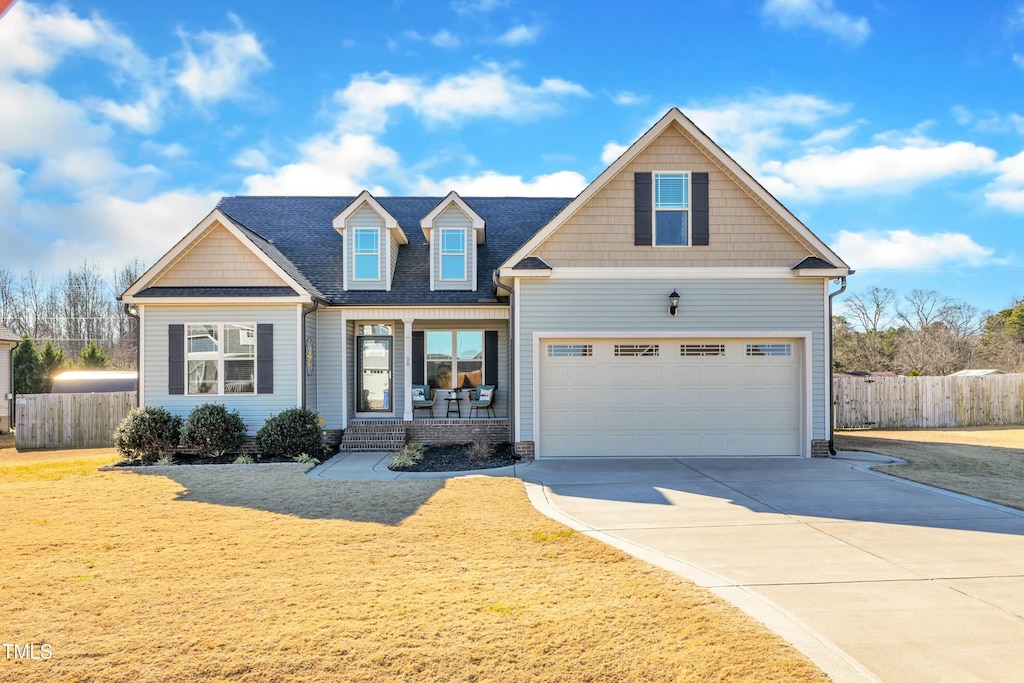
(924, 333)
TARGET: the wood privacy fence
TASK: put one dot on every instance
(893, 402)
(70, 420)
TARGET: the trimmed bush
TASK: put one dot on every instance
(410, 454)
(147, 434)
(291, 433)
(211, 430)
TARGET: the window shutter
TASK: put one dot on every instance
(418, 357)
(642, 216)
(264, 358)
(701, 206)
(175, 359)
(491, 357)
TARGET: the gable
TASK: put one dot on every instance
(744, 232)
(217, 259)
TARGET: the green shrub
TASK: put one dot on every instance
(290, 433)
(244, 460)
(307, 458)
(211, 430)
(147, 434)
(410, 454)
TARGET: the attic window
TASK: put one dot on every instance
(671, 209)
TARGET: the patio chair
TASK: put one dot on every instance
(484, 399)
(423, 397)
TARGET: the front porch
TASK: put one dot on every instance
(390, 434)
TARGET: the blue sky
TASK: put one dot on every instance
(893, 128)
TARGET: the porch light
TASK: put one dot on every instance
(673, 302)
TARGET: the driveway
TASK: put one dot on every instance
(873, 577)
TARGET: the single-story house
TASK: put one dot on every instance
(94, 381)
(8, 340)
(673, 308)
(979, 372)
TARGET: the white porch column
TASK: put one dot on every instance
(407, 389)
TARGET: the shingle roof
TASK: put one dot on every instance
(298, 234)
(7, 335)
(813, 262)
(163, 292)
(532, 263)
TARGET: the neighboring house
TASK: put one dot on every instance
(340, 304)
(8, 340)
(985, 372)
(94, 381)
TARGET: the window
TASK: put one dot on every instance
(702, 349)
(221, 358)
(570, 350)
(671, 209)
(769, 349)
(446, 369)
(366, 254)
(633, 350)
(453, 254)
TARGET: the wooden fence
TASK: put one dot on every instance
(894, 402)
(70, 420)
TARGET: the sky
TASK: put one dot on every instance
(894, 129)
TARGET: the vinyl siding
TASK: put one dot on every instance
(365, 217)
(743, 232)
(6, 406)
(330, 381)
(394, 253)
(217, 259)
(254, 408)
(453, 217)
(642, 306)
(311, 379)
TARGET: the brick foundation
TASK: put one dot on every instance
(332, 437)
(819, 448)
(435, 432)
(525, 449)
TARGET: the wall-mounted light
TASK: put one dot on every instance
(673, 302)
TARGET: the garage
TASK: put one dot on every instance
(669, 397)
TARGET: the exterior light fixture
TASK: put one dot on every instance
(673, 302)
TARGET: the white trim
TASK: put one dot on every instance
(364, 197)
(517, 363)
(190, 239)
(407, 377)
(688, 210)
(479, 312)
(222, 342)
(655, 273)
(387, 266)
(465, 255)
(356, 231)
(214, 301)
(300, 358)
(822, 272)
(427, 223)
(677, 117)
(826, 365)
(142, 357)
(806, 423)
(344, 383)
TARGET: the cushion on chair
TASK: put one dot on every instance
(484, 393)
(420, 393)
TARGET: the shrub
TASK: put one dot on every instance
(212, 431)
(290, 433)
(307, 458)
(480, 450)
(147, 434)
(410, 454)
(244, 460)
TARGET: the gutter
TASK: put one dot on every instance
(138, 351)
(302, 349)
(831, 384)
(511, 362)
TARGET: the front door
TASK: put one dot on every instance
(373, 375)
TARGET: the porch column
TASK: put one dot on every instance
(407, 389)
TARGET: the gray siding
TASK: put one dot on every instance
(347, 383)
(640, 306)
(452, 217)
(330, 380)
(254, 408)
(394, 252)
(311, 379)
(364, 218)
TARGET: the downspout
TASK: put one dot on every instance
(11, 412)
(511, 363)
(316, 305)
(828, 379)
(138, 351)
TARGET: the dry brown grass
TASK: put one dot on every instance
(984, 462)
(260, 573)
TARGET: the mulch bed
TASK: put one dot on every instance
(456, 458)
(194, 459)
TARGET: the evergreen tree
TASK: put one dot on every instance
(92, 357)
(53, 361)
(28, 368)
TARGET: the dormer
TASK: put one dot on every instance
(453, 231)
(372, 237)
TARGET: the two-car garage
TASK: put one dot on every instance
(670, 397)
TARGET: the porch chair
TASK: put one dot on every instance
(484, 399)
(423, 397)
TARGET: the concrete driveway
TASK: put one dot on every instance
(873, 577)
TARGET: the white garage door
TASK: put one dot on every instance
(601, 397)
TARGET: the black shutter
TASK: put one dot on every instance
(701, 205)
(175, 359)
(491, 357)
(642, 217)
(418, 360)
(264, 358)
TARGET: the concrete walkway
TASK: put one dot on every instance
(872, 577)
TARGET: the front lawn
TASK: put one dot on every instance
(261, 573)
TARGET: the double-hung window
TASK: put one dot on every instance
(221, 358)
(453, 357)
(672, 209)
(453, 254)
(366, 254)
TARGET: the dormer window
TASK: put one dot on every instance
(453, 254)
(366, 250)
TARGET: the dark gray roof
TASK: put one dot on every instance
(532, 263)
(158, 292)
(813, 262)
(299, 235)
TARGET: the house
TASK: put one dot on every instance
(674, 307)
(981, 372)
(8, 340)
(94, 381)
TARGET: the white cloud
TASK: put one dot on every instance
(35, 40)
(1007, 192)
(223, 66)
(519, 35)
(471, 6)
(903, 249)
(253, 159)
(817, 14)
(493, 184)
(445, 40)
(612, 151)
(329, 166)
(626, 98)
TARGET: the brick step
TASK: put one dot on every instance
(375, 435)
(356, 445)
